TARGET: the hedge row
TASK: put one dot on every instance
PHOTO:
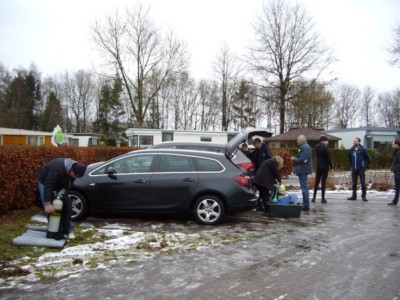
(379, 159)
(20, 167)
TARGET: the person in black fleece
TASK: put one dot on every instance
(57, 176)
(324, 163)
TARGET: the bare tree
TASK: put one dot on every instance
(388, 108)
(137, 49)
(226, 70)
(367, 99)
(185, 103)
(313, 107)
(347, 103)
(78, 93)
(287, 49)
(394, 49)
(209, 105)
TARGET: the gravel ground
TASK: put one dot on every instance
(341, 250)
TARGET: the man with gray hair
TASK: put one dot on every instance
(303, 167)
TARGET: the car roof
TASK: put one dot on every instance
(179, 151)
(189, 144)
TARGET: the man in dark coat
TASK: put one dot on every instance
(396, 170)
(260, 153)
(324, 163)
(359, 160)
(267, 175)
(58, 176)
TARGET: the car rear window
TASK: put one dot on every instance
(208, 165)
(174, 163)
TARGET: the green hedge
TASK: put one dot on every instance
(20, 167)
(379, 159)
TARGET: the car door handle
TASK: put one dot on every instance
(140, 181)
(188, 180)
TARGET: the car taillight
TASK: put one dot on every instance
(247, 166)
(243, 180)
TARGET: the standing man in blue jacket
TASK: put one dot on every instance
(303, 167)
(359, 160)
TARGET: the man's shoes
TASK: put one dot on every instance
(392, 204)
(313, 200)
(324, 201)
(71, 235)
(364, 199)
(352, 198)
(306, 209)
(259, 208)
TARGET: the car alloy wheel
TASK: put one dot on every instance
(79, 206)
(209, 210)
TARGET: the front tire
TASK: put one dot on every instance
(79, 206)
(209, 210)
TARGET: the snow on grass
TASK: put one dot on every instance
(109, 245)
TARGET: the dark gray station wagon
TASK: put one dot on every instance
(204, 184)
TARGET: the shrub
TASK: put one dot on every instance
(20, 167)
(287, 162)
(340, 160)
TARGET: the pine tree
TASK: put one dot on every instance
(110, 109)
(244, 108)
(52, 115)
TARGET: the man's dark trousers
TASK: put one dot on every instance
(321, 175)
(354, 176)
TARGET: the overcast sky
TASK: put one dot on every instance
(55, 34)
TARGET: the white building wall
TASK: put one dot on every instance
(178, 135)
(196, 136)
(379, 138)
(347, 137)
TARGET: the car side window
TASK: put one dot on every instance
(174, 163)
(208, 165)
(130, 164)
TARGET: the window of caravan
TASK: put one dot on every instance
(205, 139)
(167, 136)
(231, 136)
(145, 141)
(75, 142)
(142, 141)
(33, 140)
(93, 142)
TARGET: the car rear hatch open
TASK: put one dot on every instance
(243, 137)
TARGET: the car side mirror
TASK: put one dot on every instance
(111, 171)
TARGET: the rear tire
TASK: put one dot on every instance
(209, 210)
(79, 205)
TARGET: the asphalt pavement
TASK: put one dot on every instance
(340, 250)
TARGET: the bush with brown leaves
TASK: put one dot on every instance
(20, 167)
